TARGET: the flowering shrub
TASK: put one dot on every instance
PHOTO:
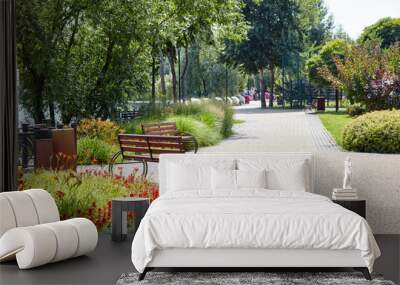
(98, 129)
(89, 194)
(369, 74)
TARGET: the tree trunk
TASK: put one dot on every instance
(171, 60)
(162, 75)
(100, 80)
(337, 99)
(38, 114)
(153, 81)
(182, 76)
(204, 87)
(271, 94)
(262, 90)
(51, 111)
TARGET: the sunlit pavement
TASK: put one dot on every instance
(275, 131)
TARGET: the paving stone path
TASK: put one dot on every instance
(276, 131)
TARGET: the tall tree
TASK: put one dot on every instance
(41, 30)
(83, 57)
(326, 58)
(181, 23)
(386, 31)
(274, 31)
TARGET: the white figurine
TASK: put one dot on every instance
(347, 174)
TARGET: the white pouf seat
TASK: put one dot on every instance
(31, 230)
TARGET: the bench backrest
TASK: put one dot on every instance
(161, 129)
(149, 147)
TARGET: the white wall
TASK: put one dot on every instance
(377, 178)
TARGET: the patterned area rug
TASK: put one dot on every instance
(243, 278)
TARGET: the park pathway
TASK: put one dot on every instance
(275, 131)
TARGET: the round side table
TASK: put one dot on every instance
(119, 215)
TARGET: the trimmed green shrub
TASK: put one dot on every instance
(204, 135)
(94, 151)
(355, 110)
(377, 132)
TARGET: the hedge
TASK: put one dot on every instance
(377, 132)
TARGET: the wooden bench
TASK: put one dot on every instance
(169, 129)
(145, 148)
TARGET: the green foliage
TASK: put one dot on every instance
(227, 122)
(377, 132)
(92, 58)
(99, 129)
(85, 57)
(88, 194)
(209, 119)
(188, 109)
(94, 151)
(271, 25)
(386, 31)
(369, 75)
(315, 22)
(205, 135)
(325, 57)
(355, 110)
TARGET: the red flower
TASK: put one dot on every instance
(60, 194)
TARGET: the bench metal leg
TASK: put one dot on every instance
(364, 271)
(196, 145)
(143, 274)
(145, 168)
(112, 162)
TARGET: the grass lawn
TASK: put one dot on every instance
(335, 123)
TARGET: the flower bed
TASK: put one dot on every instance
(89, 194)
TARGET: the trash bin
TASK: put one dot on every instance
(64, 148)
(321, 104)
(43, 148)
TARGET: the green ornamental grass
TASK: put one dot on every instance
(205, 135)
(94, 151)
